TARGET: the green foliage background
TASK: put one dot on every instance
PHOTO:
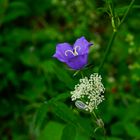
(35, 88)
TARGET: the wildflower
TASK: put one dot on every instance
(74, 56)
(87, 93)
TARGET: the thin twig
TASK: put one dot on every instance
(107, 50)
(127, 11)
(113, 37)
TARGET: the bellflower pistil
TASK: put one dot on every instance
(74, 52)
(75, 56)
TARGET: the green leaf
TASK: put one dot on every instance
(15, 10)
(3, 6)
(109, 1)
(114, 138)
(117, 128)
(62, 97)
(52, 131)
(69, 132)
(81, 136)
(29, 58)
(66, 77)
(41, 113)
(132, 115)
(16, 37)
(132, 130)
(85, 126)
(5, 108)
(102, 9)
(63, 112)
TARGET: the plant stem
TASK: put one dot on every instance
(100, 123)
(94, 115)
(113, 37)
(107, 51)
(127, 11)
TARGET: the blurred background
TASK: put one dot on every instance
(35, 88)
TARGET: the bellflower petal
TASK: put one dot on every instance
(78, 62)
(75, 56)
(60, 53)
(82, 45)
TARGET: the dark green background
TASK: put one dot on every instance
(35, 88)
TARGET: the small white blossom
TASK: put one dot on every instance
(89, 92)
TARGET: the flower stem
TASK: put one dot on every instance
(127, 11)
(93, 113)
(100, 123)
(107, 50)
(82, 74)
(113, 37)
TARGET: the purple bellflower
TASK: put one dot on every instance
(75, 56)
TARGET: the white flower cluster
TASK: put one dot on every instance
(87, 93)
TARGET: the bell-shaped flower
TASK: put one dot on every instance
(76, 56)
